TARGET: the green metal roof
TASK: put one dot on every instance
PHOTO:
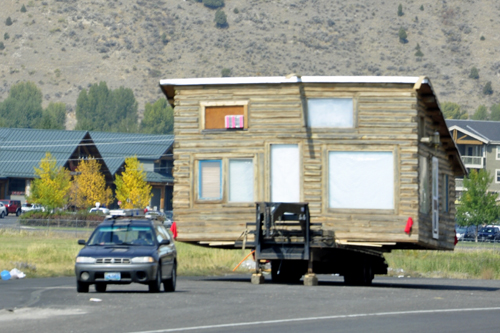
(115, 147)
(22, 149)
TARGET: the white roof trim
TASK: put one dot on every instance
(475, 136)
(290, 79)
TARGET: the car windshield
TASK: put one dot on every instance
(488, 230)
(122, 235)
(461, 230)
(5, 202)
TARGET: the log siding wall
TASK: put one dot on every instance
(386, 119)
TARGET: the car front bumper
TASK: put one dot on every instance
(140, 273)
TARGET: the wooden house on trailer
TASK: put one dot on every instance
(372, 156)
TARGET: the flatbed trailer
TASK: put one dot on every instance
(284, 235)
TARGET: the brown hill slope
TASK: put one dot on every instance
(66, 45)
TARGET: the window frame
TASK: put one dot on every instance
(199, 185)
(496, 176)
(342, 96)
(204, 105)
(498, 153)
(229, 159)
(396, 174)
(224, 180)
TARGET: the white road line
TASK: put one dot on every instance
(279, 321)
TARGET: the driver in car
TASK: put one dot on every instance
(144, 238)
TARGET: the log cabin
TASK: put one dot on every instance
(370, 155)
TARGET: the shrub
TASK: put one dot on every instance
(6, 36)
(23, 9)
(422, 7)
(164, 39)
(8, 21)
(213, 4)
(236, 11)
(487, 90)
(419, 52)
(481, 113)
(2, 47)
(474, 73)
(220, 19)
(402, 36)
(400, 10)
(482, 38)
(226, 72)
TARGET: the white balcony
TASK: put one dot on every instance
(474, 162)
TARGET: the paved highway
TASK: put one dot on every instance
(233, 304)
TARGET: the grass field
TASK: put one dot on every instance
(48, 254)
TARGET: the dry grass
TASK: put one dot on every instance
(49, 254)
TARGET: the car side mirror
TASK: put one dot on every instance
(82, 242)
(165, 242)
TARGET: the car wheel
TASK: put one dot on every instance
(169, 285)
(155, 286)
(100, 287)
(82, 287)
(18, 212)
(2, 215)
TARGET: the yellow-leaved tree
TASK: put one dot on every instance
(131, 187)
(51, 188)
(89, 185)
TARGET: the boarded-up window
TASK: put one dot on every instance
(215, 116)
(330, 113)
(210, 187)
(361, 180)
(241, 180)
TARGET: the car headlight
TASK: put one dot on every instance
(85, 260)
(141, 260)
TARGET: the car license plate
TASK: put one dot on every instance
(112, 276)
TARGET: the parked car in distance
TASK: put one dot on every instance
(13, 206)
(102, 210)
(460, 232)
(489, 234)
(122, 250)
(3, 210)
(26, 207)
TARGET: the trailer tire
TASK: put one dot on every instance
(283, 271)
(359, 276)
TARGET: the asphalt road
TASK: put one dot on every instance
(233, 304)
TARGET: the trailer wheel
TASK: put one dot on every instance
(283, 271)
(359, 276)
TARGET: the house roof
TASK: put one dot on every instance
(115, 147)
(22, 149)
(168, 85)
(482, 130)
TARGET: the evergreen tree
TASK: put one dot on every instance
(220, 19)
(474, 73)
(419, 52)
(402, 35)
(8, 21)
(158, 118)
(2, 47)
(23, 107)
(481, 113)
(213, 4)
(400, 10)
(6, 36)
(23, 9)
(487, 90)
(453, 111)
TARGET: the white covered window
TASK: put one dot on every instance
(285, 173)
(424, 190)
(241, 180)
(330, 112)
(210, 180)
(362, 180)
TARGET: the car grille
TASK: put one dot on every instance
(113, 261)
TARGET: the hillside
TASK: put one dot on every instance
(66, 45)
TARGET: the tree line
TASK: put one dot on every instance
(98, 108)
(55, 187)
(454, 111)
